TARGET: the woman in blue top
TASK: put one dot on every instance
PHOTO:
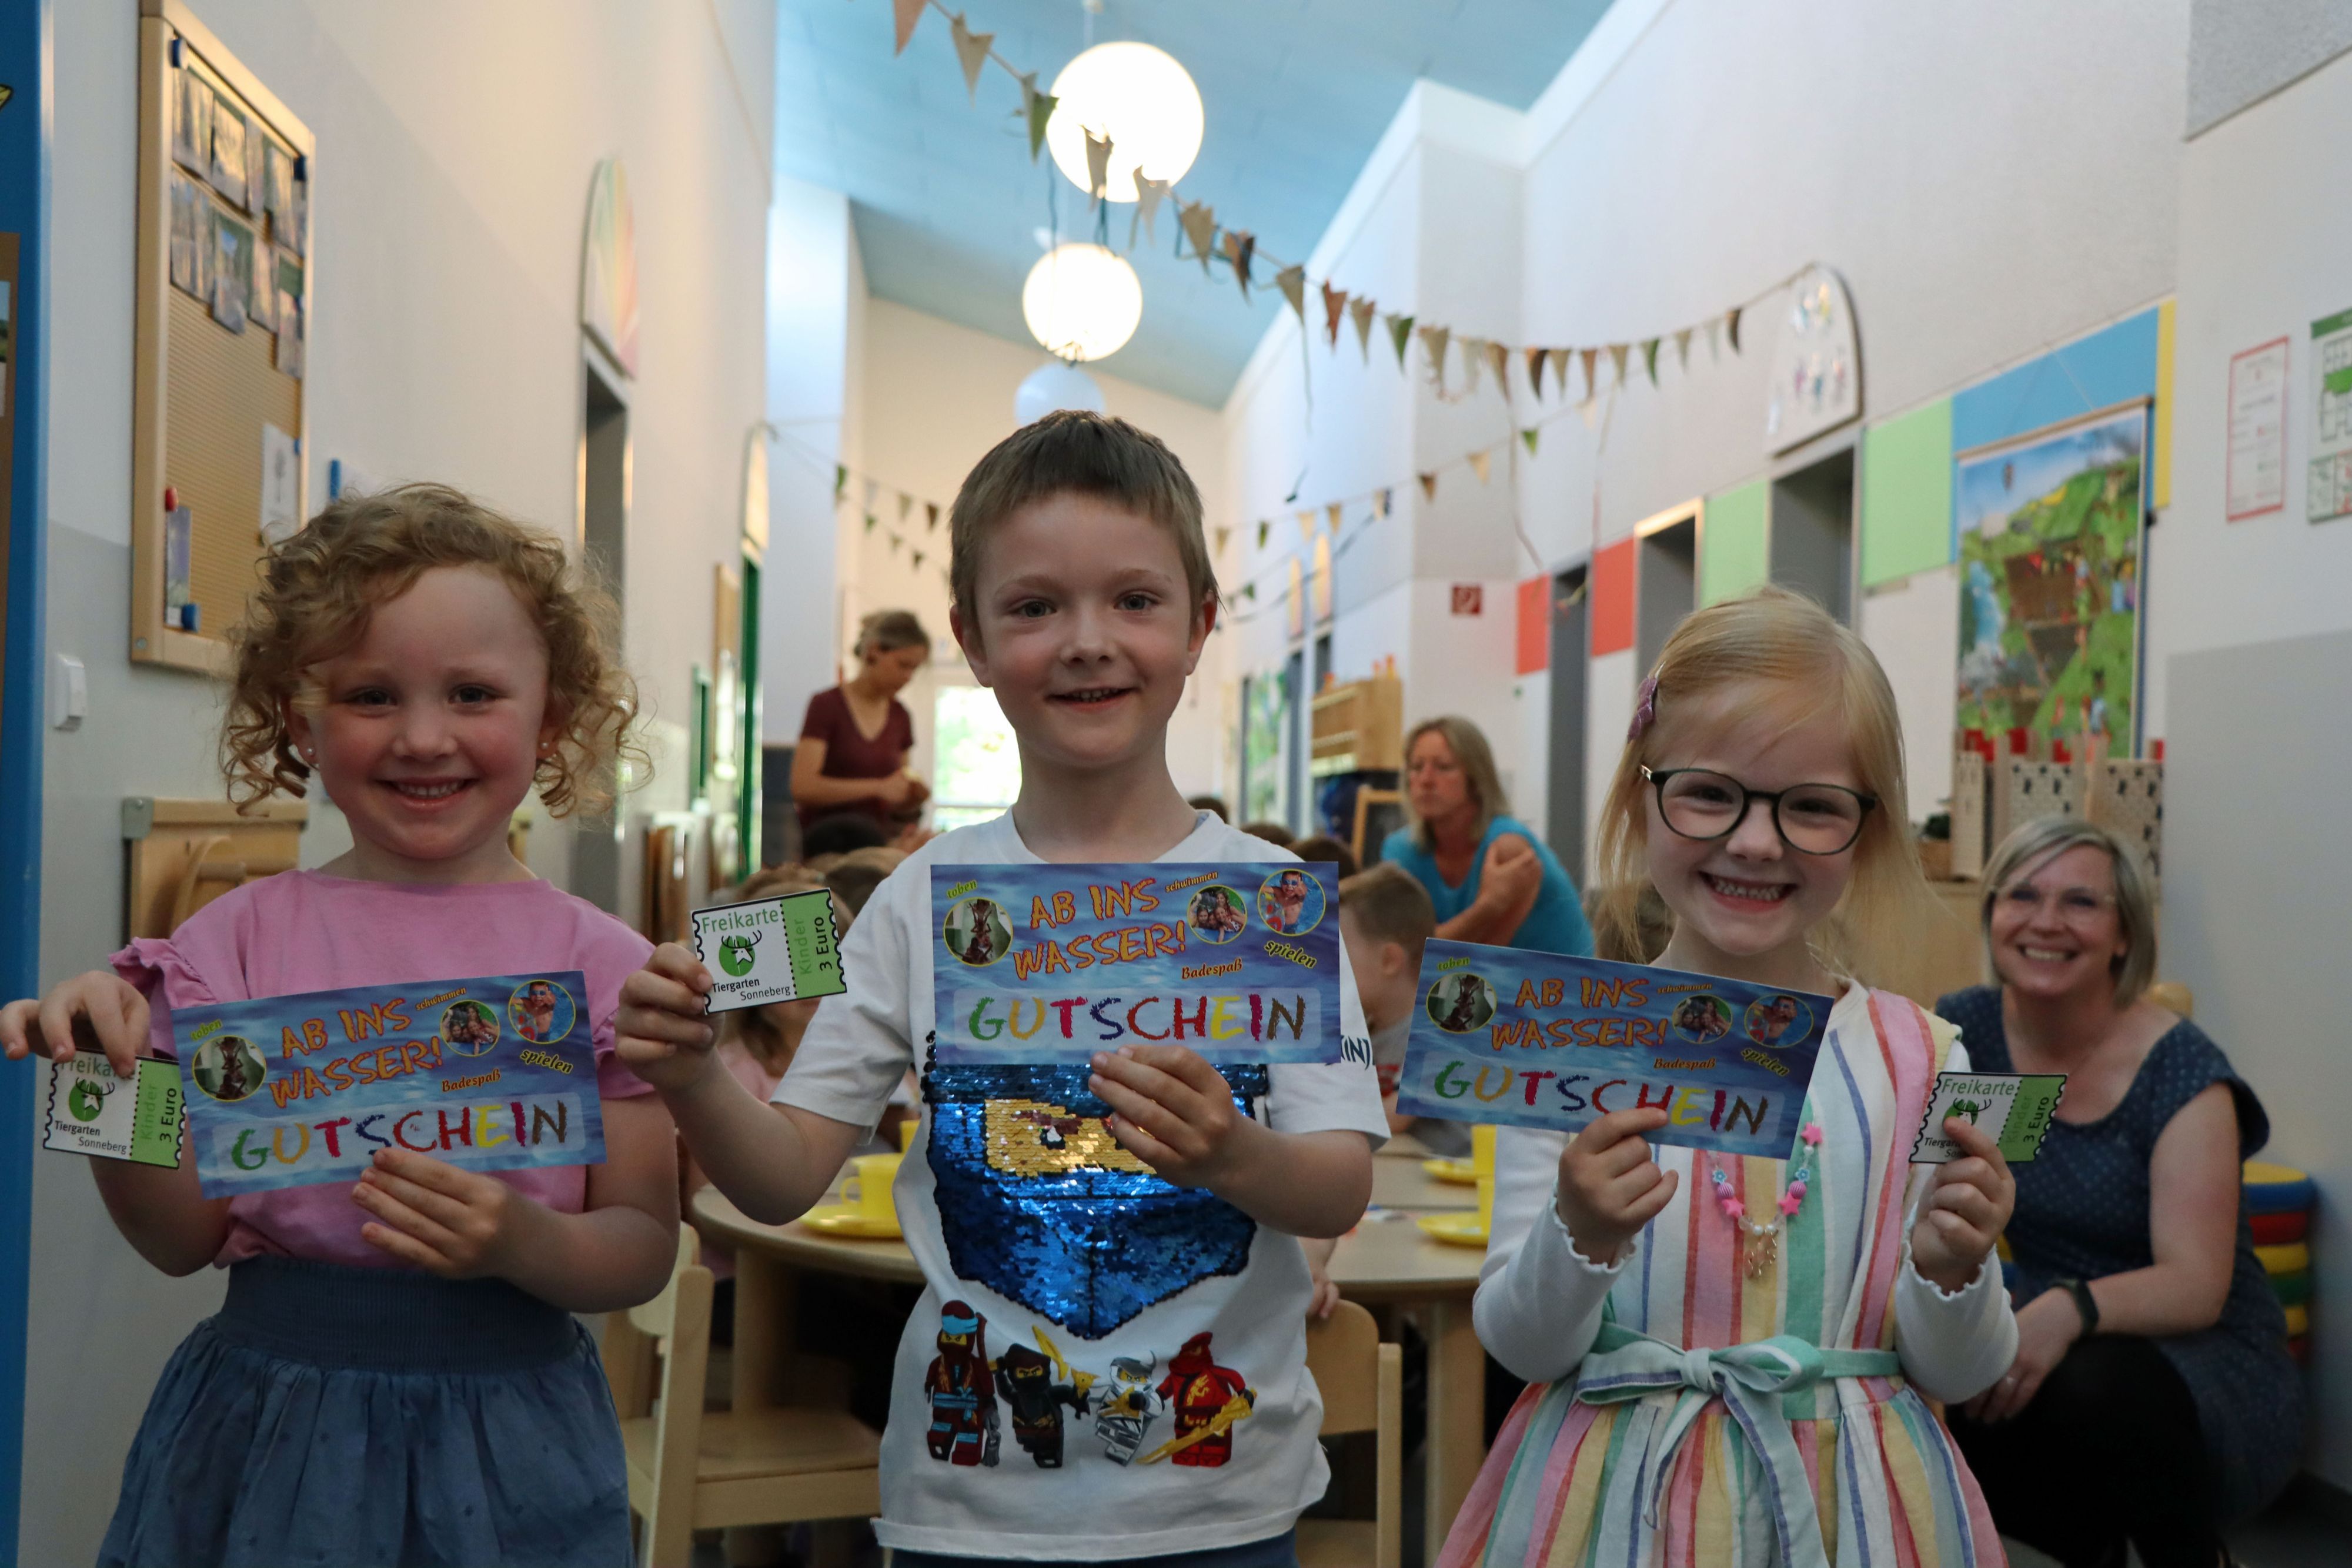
(1491, 878)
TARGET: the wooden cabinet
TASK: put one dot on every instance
(1359, 727)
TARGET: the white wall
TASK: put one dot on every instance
(2253, 877)
(1692, 152)
(456, 144)
(933, 398)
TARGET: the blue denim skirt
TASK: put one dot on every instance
(374, 1418)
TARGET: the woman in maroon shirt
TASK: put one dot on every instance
(852, 755)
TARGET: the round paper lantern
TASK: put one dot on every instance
(1081, 301)
(1139, 96)
(1052, 386)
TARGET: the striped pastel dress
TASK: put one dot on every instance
(1649, 1453)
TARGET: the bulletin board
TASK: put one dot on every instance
(225, 287)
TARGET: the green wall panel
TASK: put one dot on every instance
(1733, 553)
(1906, 494)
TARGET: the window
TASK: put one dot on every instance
(976, 763)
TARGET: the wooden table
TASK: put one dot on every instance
(1384, 1261)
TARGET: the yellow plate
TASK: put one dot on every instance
(2299, 1321)
(846, 1219)
(1455, 1228)
(1462, 1173)
(2286, 1258)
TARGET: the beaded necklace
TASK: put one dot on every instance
(1762, 1245)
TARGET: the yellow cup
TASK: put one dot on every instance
(868, 1191)
(1487, 1204)
(1482, 1149)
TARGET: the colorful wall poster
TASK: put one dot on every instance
(492, 1075)
(2049, 529)
(2328, 490)
(1542, 1040)
(1052, 963)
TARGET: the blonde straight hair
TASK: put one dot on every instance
(1476, 761)
(1777, 638)
(2044, 840)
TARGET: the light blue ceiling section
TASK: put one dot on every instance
(1298, 92)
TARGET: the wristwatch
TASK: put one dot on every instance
(2084, 1303)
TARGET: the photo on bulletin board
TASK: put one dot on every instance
(227, 172)
(191, 236)
(232, 278)
(192, 123)
(2051, 527)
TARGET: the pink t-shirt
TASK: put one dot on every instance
(301, 931)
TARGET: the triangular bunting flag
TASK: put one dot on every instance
(1292, 281)
(840, 481)
(1249, 591)
(1097, 166)
(1331, 515)
(1429, 485)
(971, 53)
(1199, 221)
(1731, 326)
(1335, 306)
(1474, 357)
(905, 505)
(1037, 108)
(1480, 463)
(906, 12)
(1590, 358)
(1400, 333)
(1307, 526)
(1529, 436)
(1263, 529)
(1535, 372)
(1222, 536)
(895, 540)
(1148, 194)
(1559, 361)
(1498, 360)
(1388, 501)
(1682, 348)
(932, 516)
(870, 521)
(1433, 339)
(1240, 246)
(1650, 359)
(917, 556)
(1359, 310)
(1617, 354)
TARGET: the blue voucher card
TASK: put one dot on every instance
(1541, 1039)
(1051, 963)
(492, 1075)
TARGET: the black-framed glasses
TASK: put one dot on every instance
(1811, 819)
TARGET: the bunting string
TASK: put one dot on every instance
(1237, 248)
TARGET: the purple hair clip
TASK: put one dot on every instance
(1645, 710)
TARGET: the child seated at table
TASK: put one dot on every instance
(1083, 596)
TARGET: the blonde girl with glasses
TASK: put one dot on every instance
(1728, 1358)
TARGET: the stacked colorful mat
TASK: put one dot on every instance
(2278, 1200)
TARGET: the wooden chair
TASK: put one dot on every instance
(1362, 1383)
(693, 1469)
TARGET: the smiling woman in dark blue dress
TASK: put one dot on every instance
(2152, 1397)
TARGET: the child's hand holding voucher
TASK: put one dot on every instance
(1543, 1039)
(489, 1074)
(1239, 962)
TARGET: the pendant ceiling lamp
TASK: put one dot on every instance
(1139, 96)
(1052, 385)
(1081, 301)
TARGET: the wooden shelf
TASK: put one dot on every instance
(1359, 727)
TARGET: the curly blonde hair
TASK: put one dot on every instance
(319, 587)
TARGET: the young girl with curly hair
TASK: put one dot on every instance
(395, 1375)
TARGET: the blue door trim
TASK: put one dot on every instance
(28, 67)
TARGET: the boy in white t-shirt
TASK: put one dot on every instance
(1110, 1370)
